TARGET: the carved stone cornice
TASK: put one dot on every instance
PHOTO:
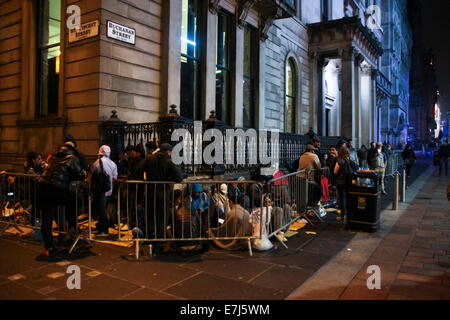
(214, 6)
(244, 7)
(267, 20)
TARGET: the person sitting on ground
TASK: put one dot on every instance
(221, 200)
(200, 202)
(237, 224)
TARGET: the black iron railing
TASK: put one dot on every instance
(119, 135)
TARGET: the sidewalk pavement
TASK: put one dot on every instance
(412, 250)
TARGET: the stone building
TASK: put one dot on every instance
(395, 67)
(284, 65)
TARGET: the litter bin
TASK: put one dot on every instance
(363, 208)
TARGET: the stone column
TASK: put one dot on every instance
(171, 51)
(209, 85)
(313, 92)
(348, 93)
(374, 108)
(357, 114)
(321, 64)
(260, 101)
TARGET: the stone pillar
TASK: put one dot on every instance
(112, 134)
(321, 64)
(237, 92)
(171, 51)
(373, 108)
(168, 123)
(357, 114)
(260, 101)
(348, 94)
(209, 69)
(314, 91)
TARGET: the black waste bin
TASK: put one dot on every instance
(363, 208)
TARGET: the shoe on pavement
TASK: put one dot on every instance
(99, 233)
(49, 252)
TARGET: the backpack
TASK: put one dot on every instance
(100, 182)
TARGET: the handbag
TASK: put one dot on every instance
(100, 182)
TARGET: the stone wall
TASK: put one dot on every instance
(10, 76)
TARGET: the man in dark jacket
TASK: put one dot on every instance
(64, 167)
(159, 167)
(372, 156)
(443, 155)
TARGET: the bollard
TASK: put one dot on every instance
(403, 198)
(395, 196)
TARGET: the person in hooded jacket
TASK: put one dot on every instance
(63, 168)
(99, 200)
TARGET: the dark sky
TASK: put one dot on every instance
(436, 35)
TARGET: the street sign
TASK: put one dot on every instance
(119, 32)
(86, 30)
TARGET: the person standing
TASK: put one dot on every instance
(64, 167)
(316, 145)
(159, 167)
(362, 155)
(343, 170)
(33, 164)
(352, 151)
(443, 155)
(380, 165)
(103, 165)
(309, 161)
(409, 158)
(372, 155)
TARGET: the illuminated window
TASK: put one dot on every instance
(48, 57)
(190, 59)
(250, 60)
(223, 46)
(290, 97)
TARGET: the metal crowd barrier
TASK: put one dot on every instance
(174, 212)
(20, 207)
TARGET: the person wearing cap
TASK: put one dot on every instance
(63, 168)
(105, 164)
(159, 167)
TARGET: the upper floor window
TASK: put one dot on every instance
(290, 111)
(324, 6)
(48, 57)
(223, 79)
(250, 60)
(190, 59)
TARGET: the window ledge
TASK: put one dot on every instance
(42, 122)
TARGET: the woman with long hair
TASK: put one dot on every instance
(343, 171)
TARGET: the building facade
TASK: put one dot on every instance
(282, 65)
(395, 67)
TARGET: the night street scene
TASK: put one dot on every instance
(234, 157)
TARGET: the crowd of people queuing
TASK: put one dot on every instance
(188, 210)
